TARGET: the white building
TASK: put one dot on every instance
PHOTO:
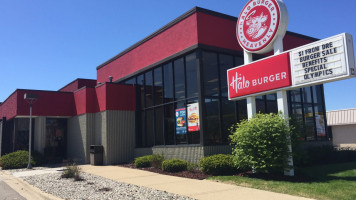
(343, 126)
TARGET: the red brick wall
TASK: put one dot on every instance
(8, 108)
(173, 40)
(48, 103)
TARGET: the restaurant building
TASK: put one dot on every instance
(165, 94)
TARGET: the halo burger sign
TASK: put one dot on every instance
(259, 25)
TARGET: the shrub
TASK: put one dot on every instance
(261, 143)
(156, 160)
(219, 164)
(174, 165)
(153, 160)
(142, 162)
(72, 171)
(192, 167)
(16, 160)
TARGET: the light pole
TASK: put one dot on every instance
(30, 98)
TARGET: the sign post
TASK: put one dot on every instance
(251, 101)
(261, 27)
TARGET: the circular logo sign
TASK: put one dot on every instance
(258, 25)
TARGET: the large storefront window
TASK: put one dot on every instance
(221, 113)
(165, 92)
(161, 92)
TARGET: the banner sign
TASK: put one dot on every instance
(181, 118)
(264, 75)
(193, 117)
(322, 61)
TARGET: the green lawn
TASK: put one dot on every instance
(336, 181)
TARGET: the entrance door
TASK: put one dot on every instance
(56, 143)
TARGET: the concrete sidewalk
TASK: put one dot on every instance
(199, 189)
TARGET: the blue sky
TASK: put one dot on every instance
(46, 44)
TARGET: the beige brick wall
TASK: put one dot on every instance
(115, 130)
(77, 147)
(119, 139)
(189, 153)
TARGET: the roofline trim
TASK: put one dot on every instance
(177, 20)
(31, 90)
(346, 109)
(76, 80)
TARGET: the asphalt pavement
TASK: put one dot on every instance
(7, 193)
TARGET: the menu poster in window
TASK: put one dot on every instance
(181, 119)
(193, 117)
(320, 126)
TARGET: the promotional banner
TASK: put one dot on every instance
(193, 117)
(323, 61)
(261, 76)
(181, 119)
(320, 125)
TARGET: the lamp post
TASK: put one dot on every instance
(30, 98)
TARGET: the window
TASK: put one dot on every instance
(158, 86)
(225, 62)
(260, 104)
(221, 113)
(159, 137)
(211, 74)
(150, 136)
(271, 103)
(192, 75)
(179, 79)
(307, 106)
(55, 140)
(168, 82)
(212, 122)
(141, 88)
(242, 109)
(229, 118)
(149, 89)
(174, 85)
(169, 124)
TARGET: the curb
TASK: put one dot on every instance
(25, 189)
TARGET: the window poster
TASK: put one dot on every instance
(320, 126)
(193, 117)
(181, 118)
